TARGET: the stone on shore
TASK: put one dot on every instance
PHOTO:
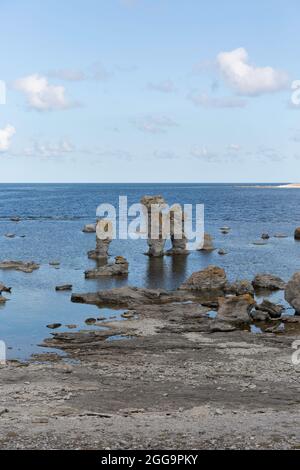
(292, 292)
(25, 267)
(209, 279)
(236, 309)
(274, 310)
(240, 287)
(268, 281)
(118, 268)
(259, 315)
(89, 228)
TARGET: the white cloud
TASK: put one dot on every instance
(167, 86)
(72, 75)
(204, 153)
(48, 150)
(154, 124)
(5, 137)
(205, 101)
(247, 79)
(41, 95)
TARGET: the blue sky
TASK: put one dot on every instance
(149, 91)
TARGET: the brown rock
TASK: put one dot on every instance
(211, 278)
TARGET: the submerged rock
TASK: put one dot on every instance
(64, 287)
(272, 309)
(265, 236)
(292, 292)
(118, 268)
(268, 281)
(211, 278)
(236, 309)
(28, 267)
(54, 326)
(10, 235)
(222, 252)
(2, 299)
(15, 219)
(89, 228)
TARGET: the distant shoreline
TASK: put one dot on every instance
(270, 186)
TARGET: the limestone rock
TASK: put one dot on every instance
(178, 238)
(211, 278)
(259, 315)
(64, 287)
(208, 243)
(104, 233)
(28, 267)
(240, 287)
(155, 206)
(236, 309)
(268, 281)
(118, 268)
(3, 288)
(292, 292)
(272, 309)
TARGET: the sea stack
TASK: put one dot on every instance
(155, 206)
(104, 234)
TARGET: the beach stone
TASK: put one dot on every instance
(268, 281)
(118, 268)
(89, 228)
(297, 233)
(211, 278)
(292, 292)
(157, 204)
(207, 243)
(90, 321)
(25, 267)
(272, 309)
(236, 309)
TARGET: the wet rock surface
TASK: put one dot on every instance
(268, 281)
(292, 292)
(118, 268)
(26, 267)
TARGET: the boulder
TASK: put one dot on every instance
(297, 233)
(259, 315)
(292, 292)
(28, 267)
(236, 309)
(118, 268)
(268, 281)
(272, 309)
(210, 279)
(207, 243)
(240, 287)
(89, 228)
(53, 326)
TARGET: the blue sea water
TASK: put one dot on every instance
(52, 218)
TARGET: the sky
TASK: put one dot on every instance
(149, 91)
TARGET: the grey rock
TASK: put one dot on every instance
(89, 228)
(272, 309)
(259, 315)
(240, 287)
(26, 267)
(64, 287)
(236, 309)
(268, 281)
(155, 205)
(118, 268)
(207, 243)
(292, 292)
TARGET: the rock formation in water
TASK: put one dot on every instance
(297, 233)
(20, 266)
(156, 239)
(102, 243)
(89, 228)
(268, 281)
(292, 292)
(178, 237)
(207, 243)
(118, 268)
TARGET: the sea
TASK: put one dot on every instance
(50, 229)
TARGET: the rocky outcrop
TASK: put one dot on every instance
(178, 238)
(268, 281)
(89, 228)
(155, 206)
(103, 240)
(19, 266)
(207, 243)
(292, 292)
(259, 315)
(236, 309)
(118, 268)
(210, 279)
(297, 233)
(274, 310)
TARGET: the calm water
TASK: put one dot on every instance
(52, 220)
